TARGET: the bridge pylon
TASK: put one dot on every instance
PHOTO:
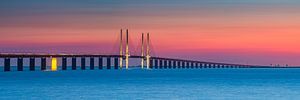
(121, 50)
(127, 50)
(148, 51)
(142, 52)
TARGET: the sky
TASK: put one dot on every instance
(259, 32)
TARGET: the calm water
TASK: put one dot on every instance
(206, 84)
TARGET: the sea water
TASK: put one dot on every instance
(164, 84)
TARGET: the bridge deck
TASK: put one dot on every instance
(29, 55)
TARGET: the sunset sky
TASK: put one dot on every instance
(260, 32)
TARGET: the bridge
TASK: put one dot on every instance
(112, 61)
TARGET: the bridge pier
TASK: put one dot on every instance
(74, 66)
(233, 66)
(156, 63)
(6, 64)
(193, 65)
(217, 65)
(64, 63)
(43, 64)
(92, 63)
(116, 60)
(100, 63)
(227, 66)
(31, 64)
(151, 64)
(198, 65)
(188, 65)
(108, 63)
(178, 64)
(204, 65)
(169, 64)
(165, 64)
(207, 65)
(160, 64)
(20, 64)
(82, 63)
(183, 63)
(174, 64)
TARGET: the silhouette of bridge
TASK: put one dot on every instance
(112, 61)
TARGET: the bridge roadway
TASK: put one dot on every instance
(155, 62)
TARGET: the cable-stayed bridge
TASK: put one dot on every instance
(109, 61)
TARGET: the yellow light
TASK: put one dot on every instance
(54, 64)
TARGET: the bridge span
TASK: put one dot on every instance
(112, 61)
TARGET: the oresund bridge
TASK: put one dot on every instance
(120, 61)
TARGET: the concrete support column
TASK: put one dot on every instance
(156, 63)
(74, 66)
(183, 64)
(31, 64)
(226, 66)
(174, 64)
(92, 63)
(151, 63)
(208, 65)
(6, 64)
(177, 64)
(160, 63)
(165, 64)
(170, 64)
(43, 64)
(197, 65)
(188, 65)
(20, 64)
(108, 63)
(64, 63)
(116, 63)
(82, 63)
(100, 63)
(193, 65)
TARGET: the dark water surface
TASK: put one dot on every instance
(168, 84)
